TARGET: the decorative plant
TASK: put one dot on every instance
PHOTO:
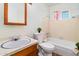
(77, 45)
(39, 30)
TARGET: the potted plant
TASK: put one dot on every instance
(77, 45)
(39, 30)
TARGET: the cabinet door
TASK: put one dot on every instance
(30, 51)
(15, 13)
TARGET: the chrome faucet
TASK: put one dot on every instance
(15, 38)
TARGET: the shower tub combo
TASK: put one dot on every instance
(63, 47)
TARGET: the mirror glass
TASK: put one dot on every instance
(15, 13)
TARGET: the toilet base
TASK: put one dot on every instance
(49, 54)
(40, 54)
(44, 54)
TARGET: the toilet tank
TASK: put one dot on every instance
(39, 36)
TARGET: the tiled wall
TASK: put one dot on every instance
(66, 29)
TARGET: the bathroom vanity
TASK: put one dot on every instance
(23, 47)
(30, 51)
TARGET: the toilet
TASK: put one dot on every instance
(45, 48)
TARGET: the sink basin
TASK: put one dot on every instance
(15, 44)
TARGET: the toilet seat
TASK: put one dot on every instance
(47, 45)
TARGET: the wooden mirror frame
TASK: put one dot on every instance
(6, 16)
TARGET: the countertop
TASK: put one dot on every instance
(8, 52)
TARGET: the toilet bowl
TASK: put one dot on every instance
(48, 48)
(45, 48)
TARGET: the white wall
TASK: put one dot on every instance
(37, 16)
(66, 29)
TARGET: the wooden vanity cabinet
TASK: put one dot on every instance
(30, 51)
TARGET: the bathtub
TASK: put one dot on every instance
(63, 47)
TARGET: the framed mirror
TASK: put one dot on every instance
(15, 13)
